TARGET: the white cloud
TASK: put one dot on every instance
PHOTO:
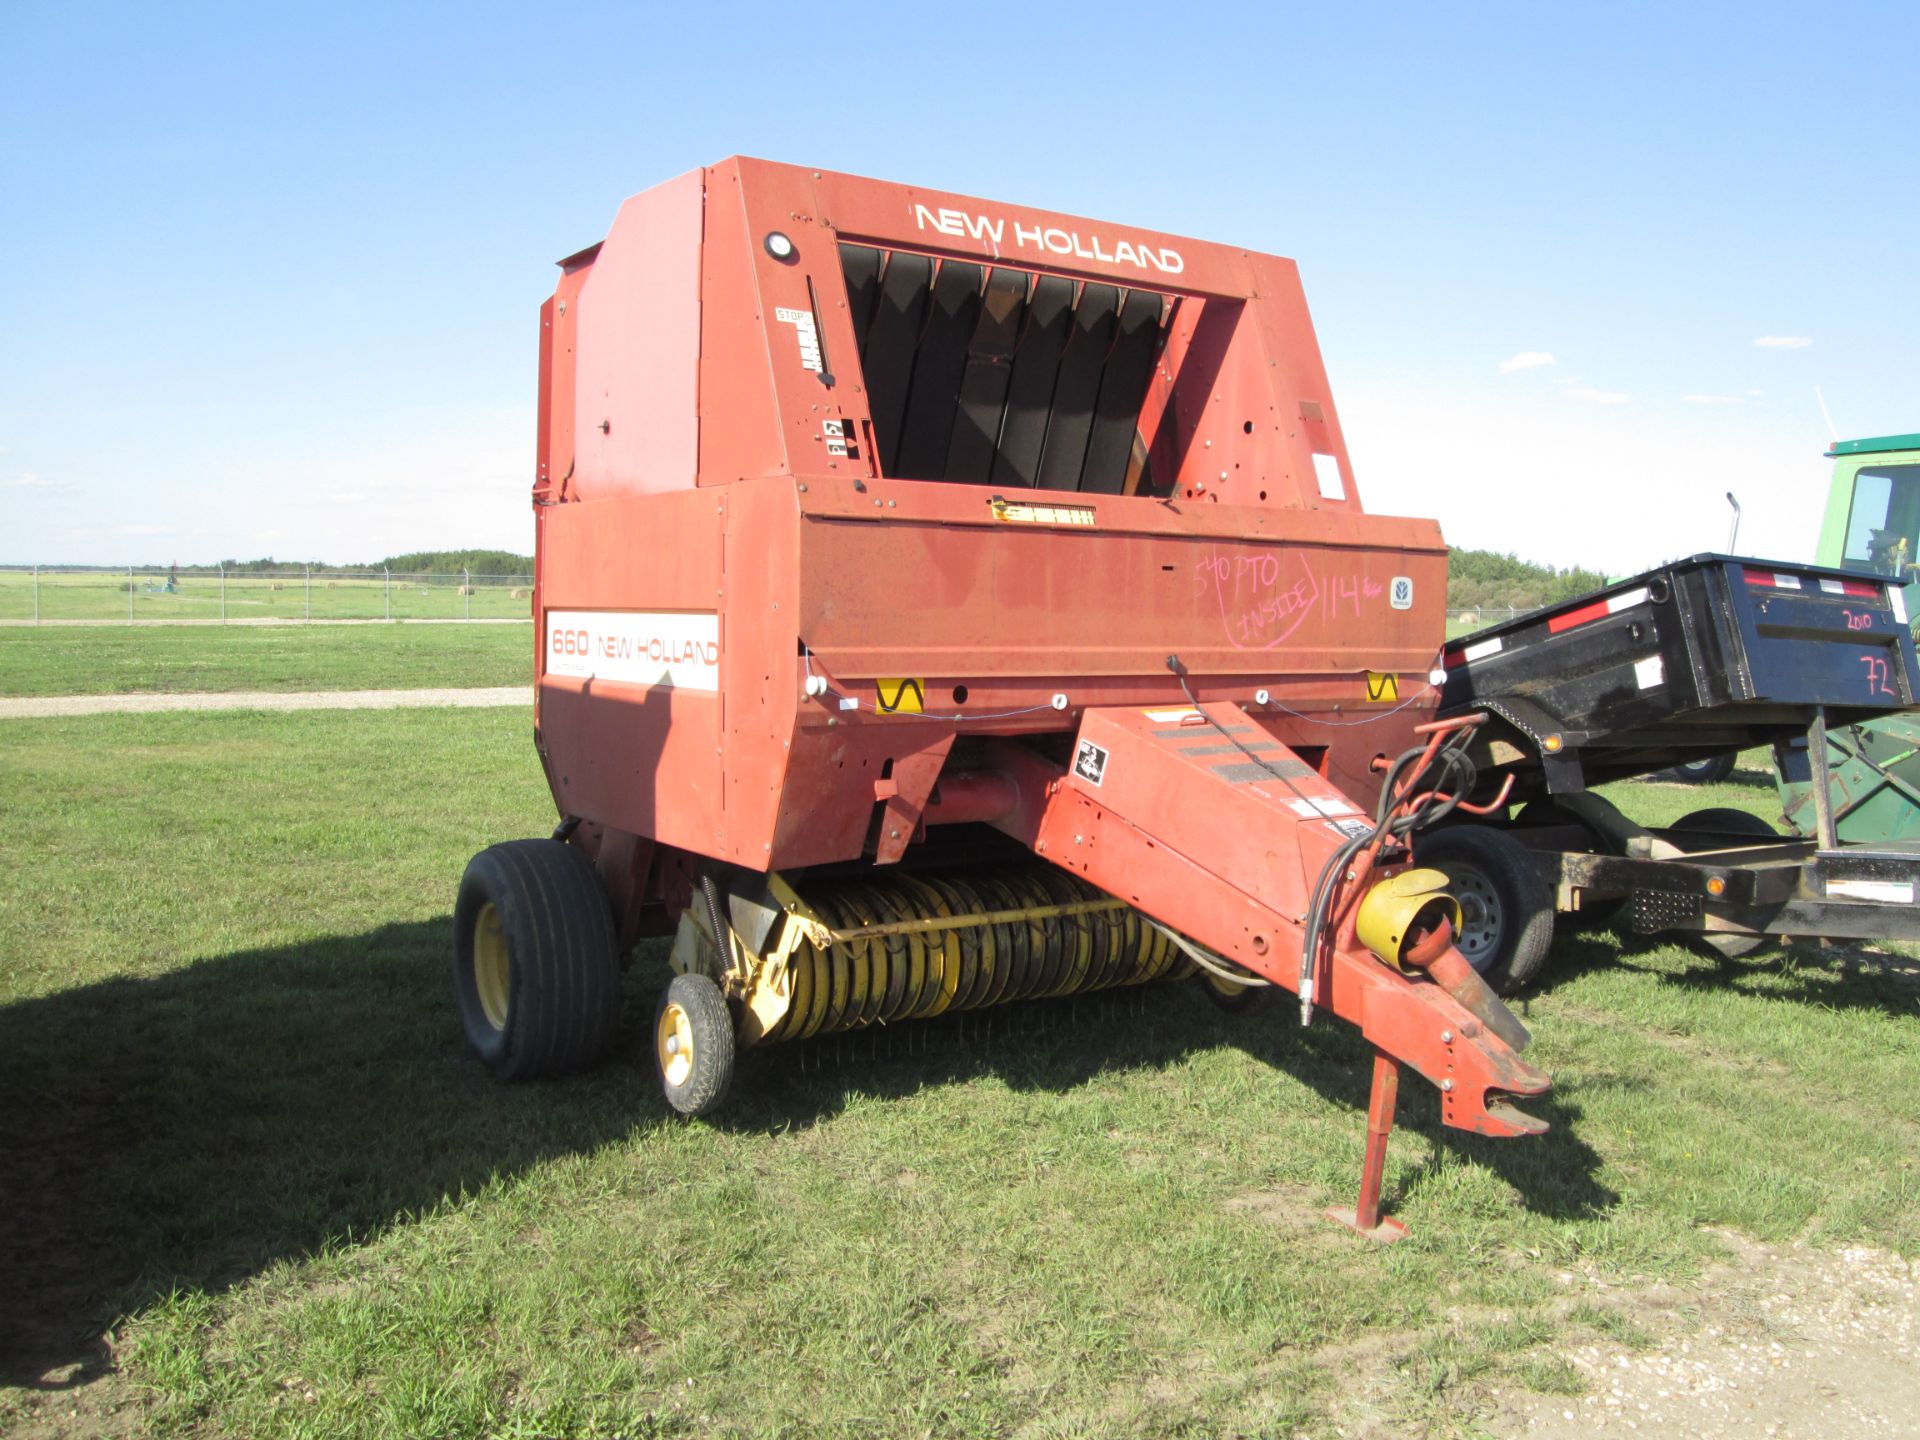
(1596, 397)
(137, 530)
(31, 480)
(1783, 342)
(1526, 360)
(1713, 399)
(347, 497)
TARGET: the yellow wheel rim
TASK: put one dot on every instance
(673, 1040)
(1222, 986)
(490, 966)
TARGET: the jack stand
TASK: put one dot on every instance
(1365, 1218)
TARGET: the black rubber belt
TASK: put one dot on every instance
(934, 398)
(983, 389)
(1122, 391)
(1036, 365)
(1078, 389)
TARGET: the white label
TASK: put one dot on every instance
(1483, 649)
(1891, 892)
(1170, 717)
(809, 334)
(1326, 469)
(1400, 592)
(636, 647)
(1626, 600)
(1312, 807)
(1650, 672)
(1897, 598)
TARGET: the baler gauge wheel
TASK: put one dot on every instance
(536, 965)
(1226, 994)
(693, 1044)
(1506, 909)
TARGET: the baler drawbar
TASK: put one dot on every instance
(942, 603)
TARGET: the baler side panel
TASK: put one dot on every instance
(765, 411)
(636, 401)
(559, 354)
(759, 668)
(913, 596)
(640, 758)
(1303, 399)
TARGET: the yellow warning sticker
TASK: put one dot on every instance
(906, 696)
(1382, 688)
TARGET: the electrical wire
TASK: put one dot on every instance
(853, 702)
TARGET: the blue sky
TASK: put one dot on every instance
(269, 275)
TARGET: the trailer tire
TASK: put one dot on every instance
(1601, 915)
(1506, 907)
(1734, 822)
(693, 1044)
(536, 966)
(1708, 771)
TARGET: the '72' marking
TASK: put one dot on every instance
(1879, 676)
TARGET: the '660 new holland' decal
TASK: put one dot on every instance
(636, 647)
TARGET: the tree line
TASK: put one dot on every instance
(1487, 579)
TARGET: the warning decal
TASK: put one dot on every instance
(1382, 688)
(906, 696)
(1090, 762)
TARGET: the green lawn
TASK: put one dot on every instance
(64, 660)
(240, 1117)
(143, 596)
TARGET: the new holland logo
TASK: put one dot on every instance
(1050, 239)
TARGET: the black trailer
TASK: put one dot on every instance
(1692, 659)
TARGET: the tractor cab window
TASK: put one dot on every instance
(1883, 525)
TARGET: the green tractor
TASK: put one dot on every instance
(1873, 524)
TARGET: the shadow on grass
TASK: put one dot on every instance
(1061, 1044)
(188, 1130)
(1849, 976)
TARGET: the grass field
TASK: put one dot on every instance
(143, 596)
(240, 1117)
(173, 659)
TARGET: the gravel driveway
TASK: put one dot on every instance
(41, 707)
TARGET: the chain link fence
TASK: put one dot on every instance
(179, 594)
(1465, 621)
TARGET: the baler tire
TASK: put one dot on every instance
(1733, 822)
(536, 964)
(1498, 889)
(693, 1044)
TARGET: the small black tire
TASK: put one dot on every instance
(1730, 821)
(693, 1044)
(1506, 907)
(1229, 996)
(1710, 770)
(536, 966)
